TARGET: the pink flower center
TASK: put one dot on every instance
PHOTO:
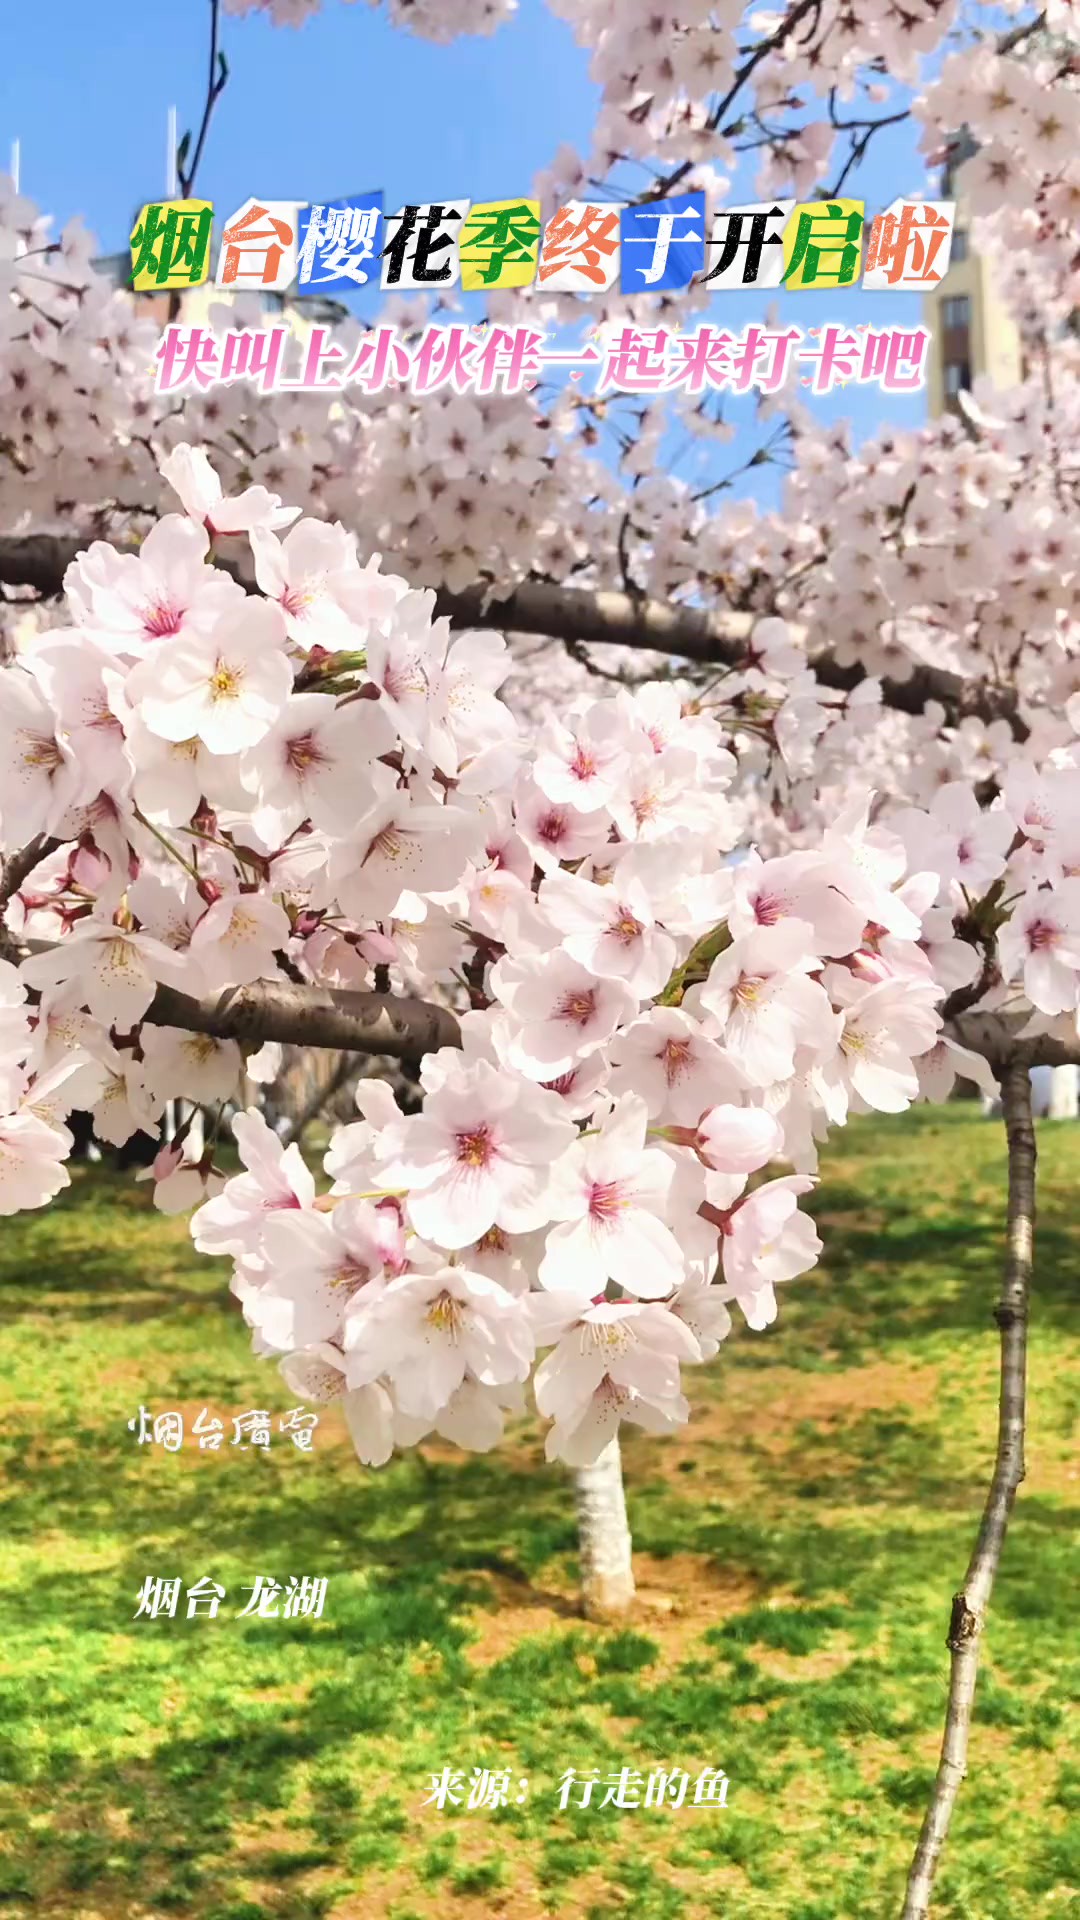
(768, 908)
(40, 750)
(551, 828)
(321, 1382)
(296, 600)
(578, 1007)
(1040, 934)
(404, 677)
(583, 764)
(446, 1315)
(160, 622)
(475, 1149)
(564, 1084)
(748, 989)
(606, 1199)
(304, 752)
(350, 1275)
(625, 928)
(675, 1058)
(493, 1241)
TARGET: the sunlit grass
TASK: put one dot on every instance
(798, 1550)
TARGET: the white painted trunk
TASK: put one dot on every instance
(1063, 1093)
(607, 1574)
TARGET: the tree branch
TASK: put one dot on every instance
(215, 86)
(13, 871)
(970, 1605)
(306, 1016)
(995, 1037)
(18, 866)
(600, 615)
(755, 55)
(594, 616)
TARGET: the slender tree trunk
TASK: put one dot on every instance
(969, 1606)
(607, 1574)
(320, 1095)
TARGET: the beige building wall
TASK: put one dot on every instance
(986, 343)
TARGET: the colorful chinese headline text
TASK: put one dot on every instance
(587, 247)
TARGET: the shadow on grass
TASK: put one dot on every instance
(169, 1763)
(320, 1706)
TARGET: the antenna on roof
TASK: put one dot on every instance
(172, 184)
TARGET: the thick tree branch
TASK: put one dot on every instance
(995, 1037)
(311, 1017)
(18, 866)
(589, 616)
(693, 633)
(970, 1604)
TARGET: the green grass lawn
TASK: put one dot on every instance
(798, 1548)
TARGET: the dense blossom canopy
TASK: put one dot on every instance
(688, 921)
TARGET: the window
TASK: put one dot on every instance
(957, 377)
(959, 246)
(956, 310)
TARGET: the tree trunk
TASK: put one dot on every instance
(322, 1092)
(607, 1574)
(969, 1606)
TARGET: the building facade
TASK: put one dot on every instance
(971, 331)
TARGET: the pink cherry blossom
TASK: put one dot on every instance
(478, 1156)
(557, 1011)
(427, 1331)
(276, 1178)
(610, 1362)
(32, 1155)
(188, 470)
(610, 930)
(766, 1240)
(667, 1058)
(763, 1002)
(118, 971)
(610, 1193)
(225, 687)
(1040, 945)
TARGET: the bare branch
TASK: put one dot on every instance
(403, 1028)
(970, 1604)
(215, 87)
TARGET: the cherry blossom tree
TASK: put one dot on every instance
(653, 833)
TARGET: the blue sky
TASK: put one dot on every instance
(345, 104)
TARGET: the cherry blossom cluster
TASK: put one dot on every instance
(663, 69)
(954, 545)
(1022, 185)
(317, 782)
